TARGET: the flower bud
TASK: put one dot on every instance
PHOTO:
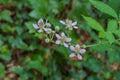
(84, 46)
(47, 40)
(57, 28)
(48, 25)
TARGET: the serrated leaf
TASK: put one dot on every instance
(93, 24)
(110, 37)
(104, 8)
(112, 25)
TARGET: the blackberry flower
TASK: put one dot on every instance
(77, 51)
(62, 39)
(41, 26)
(69, 24)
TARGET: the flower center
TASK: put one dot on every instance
(63, 38)
(77, 50)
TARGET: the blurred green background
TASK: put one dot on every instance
(25, 56)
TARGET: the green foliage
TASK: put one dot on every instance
(24, 53)
(5, 15)
(112, 26)
(110, 37)
(93, 23)
(2, 70)
(104, 8)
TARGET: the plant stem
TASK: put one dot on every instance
(101, 43)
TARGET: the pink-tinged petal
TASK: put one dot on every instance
(75, 27)
(62, 22)
(62, 34)
(82, 51)
(35, 26)
(66, 45)
(72, 48)
(72, 55)
(40, 31)
(40, 21)
(58, 42)
(79, 57)
(77, 46)
(68, 39)
(74, 23)
(58, 36)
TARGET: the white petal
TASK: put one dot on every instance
(82, 51)
(47, 29)
(58, 42)
(75, 27)
(58, 36)
(72, 55)
(62, 34)
(68, 39)
(35, 26)
(40, 21)
(77, 46)
(72, 48)
(74, 23)
(79, 57)
(62, 22)
(40, 31)
(66, 45)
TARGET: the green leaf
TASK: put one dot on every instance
(110, 37)
(112, 25)
(93, 24)
(2, 70)
(104, 8)
(40, 8)
(93, 64)
(117, 75)
(38, 66)
(29, 25)
(5, 53)
(117, 32)
(112, 55)
(5, 15)
(101, 34)
(114, 4)
(20, 44)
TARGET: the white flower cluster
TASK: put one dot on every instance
(61, 39)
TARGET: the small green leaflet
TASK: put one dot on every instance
(112, 25)
(110, 37)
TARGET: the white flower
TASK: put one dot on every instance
(62, 39)
(77, 51)
(69, 24)
(42, 26)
